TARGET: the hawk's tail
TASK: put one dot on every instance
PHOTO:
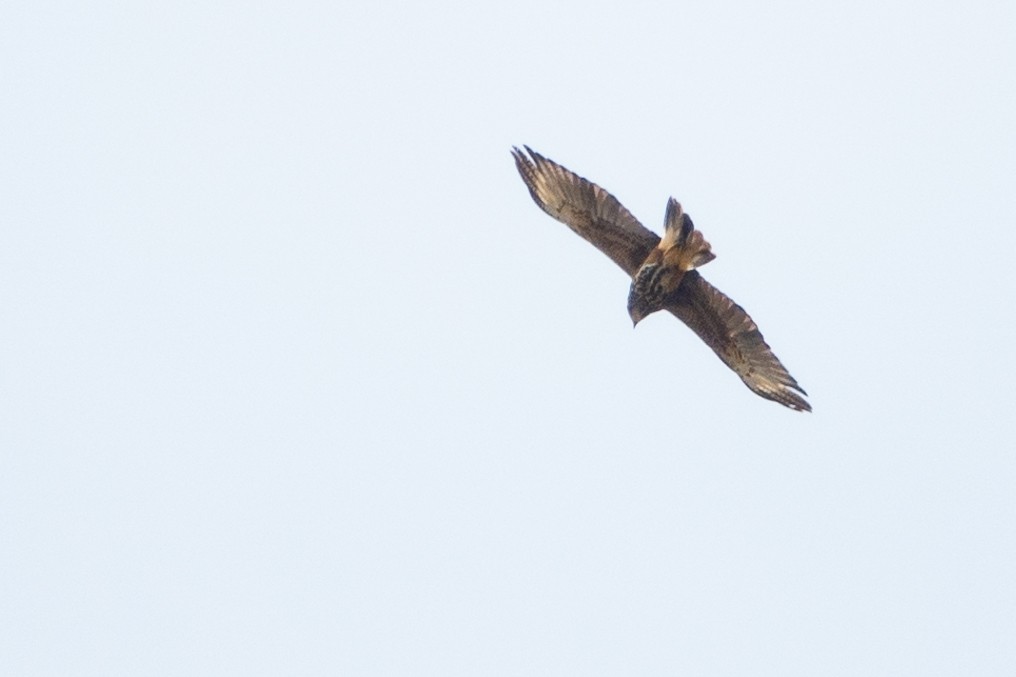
(682, 244)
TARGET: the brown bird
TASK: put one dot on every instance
(662, 271)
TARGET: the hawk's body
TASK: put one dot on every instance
(662, 271)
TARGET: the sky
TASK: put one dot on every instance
(297, 379)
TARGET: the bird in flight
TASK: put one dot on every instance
(663, 272)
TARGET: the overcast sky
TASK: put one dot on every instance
(296, 378)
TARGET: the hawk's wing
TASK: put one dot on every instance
(587, 209)
(728, 330)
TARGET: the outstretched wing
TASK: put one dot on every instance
(728, 330)
(587, 209)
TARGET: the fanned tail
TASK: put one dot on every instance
(683, 246)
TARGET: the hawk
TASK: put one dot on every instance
(663, 272)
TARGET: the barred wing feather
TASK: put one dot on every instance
(734, 337)
(587, 209)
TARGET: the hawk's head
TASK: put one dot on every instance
(647, 291)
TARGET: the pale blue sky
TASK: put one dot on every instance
(298, 380)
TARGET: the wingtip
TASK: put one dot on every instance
(797, 403)
(803, 404)
(526, 155)
(536, 157)
(790, 395)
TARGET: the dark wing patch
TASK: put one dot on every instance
(732, 335)
(587, 209)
